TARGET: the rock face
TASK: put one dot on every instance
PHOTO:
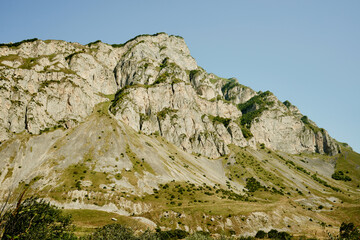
(159, 90)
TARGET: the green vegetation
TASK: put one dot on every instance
(310, 125)
(253, 109)
(162, 78)
(166, 111)
(194, 73)
(35, 219)
(348, 162)
(292, 164)
(349, 231)
(323, 182)
(18, 43)
(92, 43)
(339, 175)
(244, 167)
(221, 120)
(252, 184)
(273, 234)
(230, 84)
(139, 165)
(287, 104)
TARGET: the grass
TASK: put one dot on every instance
(246, 165)
(87, 220)
(139, 165)
(348, 162)
(72, 177)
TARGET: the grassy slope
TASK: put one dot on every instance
(290, 175)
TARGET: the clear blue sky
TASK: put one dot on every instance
(307, 52)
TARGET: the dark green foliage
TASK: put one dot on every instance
(172, 234)
(162, 114)
(92, 43)
(301, 169)
(339, 175)
(164, 63)
(112, 231)
(349, 231)
(232, 82)
(120, 94)
(273, 234)
(311, 126)
(162, 78)
(259, 100)
(252, 184)
(18, 43)
(246, 132)
(70, 56)
(253, 109)
(287, 104)
(224, 121)
(117, 45)
(319, 180)
(261, 234)
(36, 219)
(231, 195)
(120, 232)
(193, 73)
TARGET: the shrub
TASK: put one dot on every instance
(200, 236)
(273, 233)
(112, 231)
(339, 175)
(287, 104)
(36, 219)
(252, 184)
(172, 234)
(349, 231)
(261, 234)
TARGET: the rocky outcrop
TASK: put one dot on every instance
(159, 90)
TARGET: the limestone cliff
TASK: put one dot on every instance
(159, 90)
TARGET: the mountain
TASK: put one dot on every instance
(141, 130)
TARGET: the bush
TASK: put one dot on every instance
(252, 184)
(112, 231)
(36, 219)
(199, 236)
(339, 175)
(261, 234)
(349, 231)
(172, 234)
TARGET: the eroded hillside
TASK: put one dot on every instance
(140, 130)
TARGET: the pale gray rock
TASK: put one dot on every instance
(161, 90)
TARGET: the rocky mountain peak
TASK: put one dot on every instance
(159, 90)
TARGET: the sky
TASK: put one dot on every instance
(307, 52)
